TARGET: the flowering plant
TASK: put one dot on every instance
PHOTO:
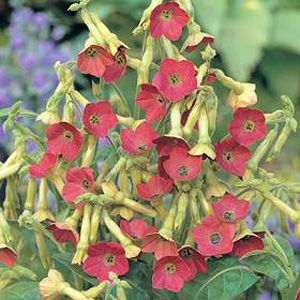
(164, 210)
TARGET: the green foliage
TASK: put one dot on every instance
(21, 291)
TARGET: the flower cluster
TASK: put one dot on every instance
(157, 197)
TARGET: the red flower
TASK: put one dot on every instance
(168, 19)
(98, 118)
(156, 186)
(170, 273)
(160, 167)
(138, 141)
(151, 100)
(248, 126)
(193, 259)
(166, 144)
(154, 242)
(79, 181)
(104, 258)
(195, 40)
(93, 60)
(230, 209)
(247, 244)
(182, 166)
(213, 236)
(64, 139)
(8, 256)
(44, 168)
(137, 228)
(175, 79)
(63, 233)
(117, 69)
(231, 156)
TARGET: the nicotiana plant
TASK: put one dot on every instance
(163, 210)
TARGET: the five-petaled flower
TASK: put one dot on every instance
(63, 139)
(168, 19)
(231, 156)
(79, 181)
(98, 118)
(94, 60)
(138, 141)
(248, 126)
(213, 236)
(170, 273)
(45, 167)
(151, 100)
(175, 79)
(230, 208)
(156, 186)
(104, 258)
(182, 166)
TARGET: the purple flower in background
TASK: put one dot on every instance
(40, 20)
(17, 42)
(264, 296)
(27, 60)
(4, 78)
(41, 79)
(22, 16)
(5, 99)
(103, 142)
(58, 33)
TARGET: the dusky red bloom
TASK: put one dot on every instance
(104, 258)
(175, 79)
(192, 42)
(117, 69)
(93, 60)
(152, 101)
(98, 118)
(194, 260)
(156, 186)
(63, 139)
(166, 144)
(213, 236)
(160, 167)
(230, 209)
(168, 19)
(138, 141)
(44, 168)
(79, 181)
(182, 166)
(170, 273)
(63, 233)
(136, 229)
(231, 156)
(248, 244)
(210, 78)
(248, 126)
(8, 256)
(154, 242)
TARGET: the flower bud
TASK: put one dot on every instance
(11, 199)
(30, 196)
(166, 230)
(205, 205)
(181, 210)
(193, 207)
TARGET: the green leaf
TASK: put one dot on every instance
(286, 30)
(226, 278)
(4, 112)
(283, 76)
(104, 152)
(21, 291)
(242, 39)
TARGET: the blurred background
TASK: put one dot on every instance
(257, 41)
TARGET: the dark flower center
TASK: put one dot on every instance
(229, 216)
(92, 52)
(249, 126)
(68, 135)
(141, 148)
(85, 184)
(186, 252)
(94, 119)
(174, 79)
(160, 99)
(120, 60)
(109, 259)
(183, 171)
(166, 15)
(227, 156)
(215, 238)
(170, 268)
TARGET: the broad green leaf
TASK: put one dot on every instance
(286, 30)
(283, 76)
(226, 278)
(242, 39)
(21, 291)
